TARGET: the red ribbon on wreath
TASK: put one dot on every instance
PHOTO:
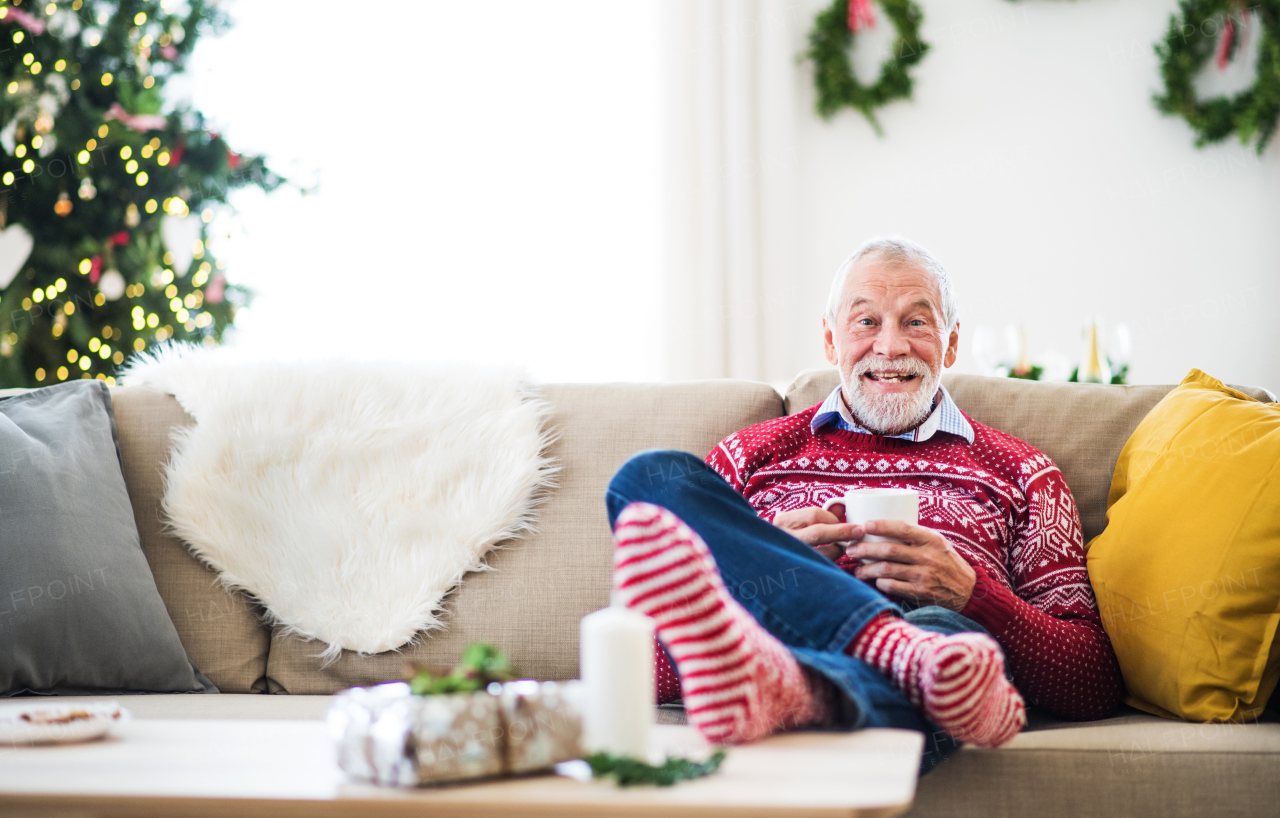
(860, 15)
(1229, 37)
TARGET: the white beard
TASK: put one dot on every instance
(891, 414)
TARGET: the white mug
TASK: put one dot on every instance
(861, 505)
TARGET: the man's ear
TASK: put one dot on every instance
(953, 346)
(829, 342)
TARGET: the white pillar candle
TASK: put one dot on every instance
(617, 673)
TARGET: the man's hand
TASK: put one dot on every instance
(923, 568)
(818, 528)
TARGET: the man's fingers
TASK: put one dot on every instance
(823, 534)
(891, 551)
(804, 517)
(889, 570)
(831, 552)
(908, 533)
(894, 587)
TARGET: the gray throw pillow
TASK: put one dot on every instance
(79, 609)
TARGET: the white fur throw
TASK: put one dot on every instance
(347, 497)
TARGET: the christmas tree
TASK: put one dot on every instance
(106, 201)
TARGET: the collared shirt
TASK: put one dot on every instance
(945, 417)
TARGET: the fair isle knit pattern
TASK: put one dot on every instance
(740, 683)
(666, 684)
(958, 681)
(1004, 506)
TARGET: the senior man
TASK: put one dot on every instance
(733, 558)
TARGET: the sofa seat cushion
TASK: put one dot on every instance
(1131, 764)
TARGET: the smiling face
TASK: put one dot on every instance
(890, 343)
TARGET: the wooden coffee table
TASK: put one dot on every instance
(225, 768)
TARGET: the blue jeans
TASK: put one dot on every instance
(798, 595)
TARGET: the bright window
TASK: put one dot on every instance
(488, 180)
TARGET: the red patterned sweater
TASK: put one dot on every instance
(1004, 506)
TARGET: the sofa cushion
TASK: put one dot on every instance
(81, 611)
(1132, 764)
(1049, 416)
(1187, 573)
(538, 587)
(220, 630)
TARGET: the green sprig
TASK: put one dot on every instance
(629, 772)
(481, 665)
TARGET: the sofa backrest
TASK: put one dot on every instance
(221, 630)
(1081, 427)
(536, 590)
(528, 603)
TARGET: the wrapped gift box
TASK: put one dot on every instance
(389, 736)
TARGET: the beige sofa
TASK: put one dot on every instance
(1131, 764)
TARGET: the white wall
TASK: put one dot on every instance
(1033, 164)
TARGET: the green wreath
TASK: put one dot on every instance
(1193, 37)
(837, 86)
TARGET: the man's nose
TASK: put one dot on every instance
(891, 342)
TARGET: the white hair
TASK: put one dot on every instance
(897, 250)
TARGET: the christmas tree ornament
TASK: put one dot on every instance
(15, 246)
(63, 206)
(179, 233)
(131, 216)
(6, 348)
(64, 23)
(30, 23)
(216, 292)
(87, 191)
(834, 33)
(138, 122)
(111, 285)
(1208, 29)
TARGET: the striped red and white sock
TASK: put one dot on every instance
(739, 683)
(958, 681)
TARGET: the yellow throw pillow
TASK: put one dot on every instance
(1187, 571)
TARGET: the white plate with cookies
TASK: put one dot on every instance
(48, 722)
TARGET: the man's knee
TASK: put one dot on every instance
(654, 468)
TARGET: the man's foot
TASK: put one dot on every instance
(958, 681)
(739, 683)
